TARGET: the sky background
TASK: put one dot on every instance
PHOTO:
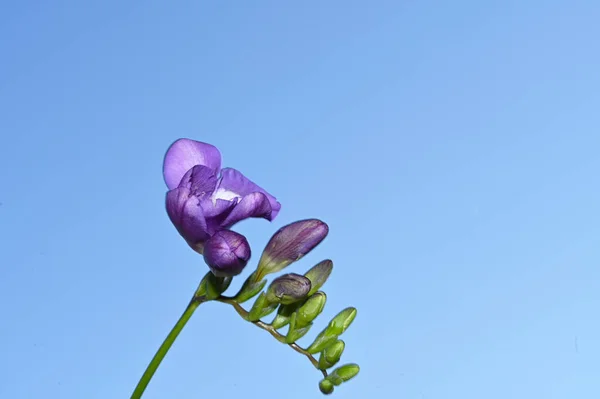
(452, 147)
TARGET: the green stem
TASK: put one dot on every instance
(166, 345)
(269, 328)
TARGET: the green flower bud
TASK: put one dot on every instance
(336, 327)
(250, 289)
(342, 321)
(215, 286)
(318, 275)
(288, 289)
(311, 309)
(262, 307)
(331, 355)
(295, 332)
(289, 244)
(326, 387)
(344, 373)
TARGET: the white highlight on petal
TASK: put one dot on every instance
(224, 194)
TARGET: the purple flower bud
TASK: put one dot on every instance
(291, 243)
(289, 288)
(226, 253)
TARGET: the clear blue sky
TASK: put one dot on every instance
(453, 148)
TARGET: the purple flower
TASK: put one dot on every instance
(226, 253)
(203, 198)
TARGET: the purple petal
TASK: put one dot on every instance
(234, 183)
(184, 154)
(226, 253)
(186, 214)
(201, 181)
(253, 205)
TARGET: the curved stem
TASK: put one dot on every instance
(166, 345)
(267, 327)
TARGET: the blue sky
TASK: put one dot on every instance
(452, 147)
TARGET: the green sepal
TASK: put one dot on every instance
(336, 327)
(282, 318)
(318, 275)
(261, 308)
(215, 286)
(295, 332)
(250, 289)
(331, 355)
(343, 373)
(311, 309)
(326, 387)
(201, 290)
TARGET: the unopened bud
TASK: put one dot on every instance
(318, 275)
(311, 309)
(288, 289)
(289, 244)
(326, 387)
(331, 355)
(226, 253)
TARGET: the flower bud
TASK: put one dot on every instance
(289, 244)
(331, 355)
(311, 309)
(326, 387)
(288, 289)
(226, 253)
(336, 327)
(318, 275)
(342, 321)
(343, 373)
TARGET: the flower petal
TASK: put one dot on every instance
(255, 205)
(234, 183)
(184, 154)
(201, 181)
(187, 216)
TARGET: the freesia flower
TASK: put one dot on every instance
(205, 199)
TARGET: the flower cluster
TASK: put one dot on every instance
(204, 202)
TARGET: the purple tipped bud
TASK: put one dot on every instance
(291, 243)
(226, 253)
(289, 288)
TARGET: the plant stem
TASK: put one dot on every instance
(267, 327)
(166, 345)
